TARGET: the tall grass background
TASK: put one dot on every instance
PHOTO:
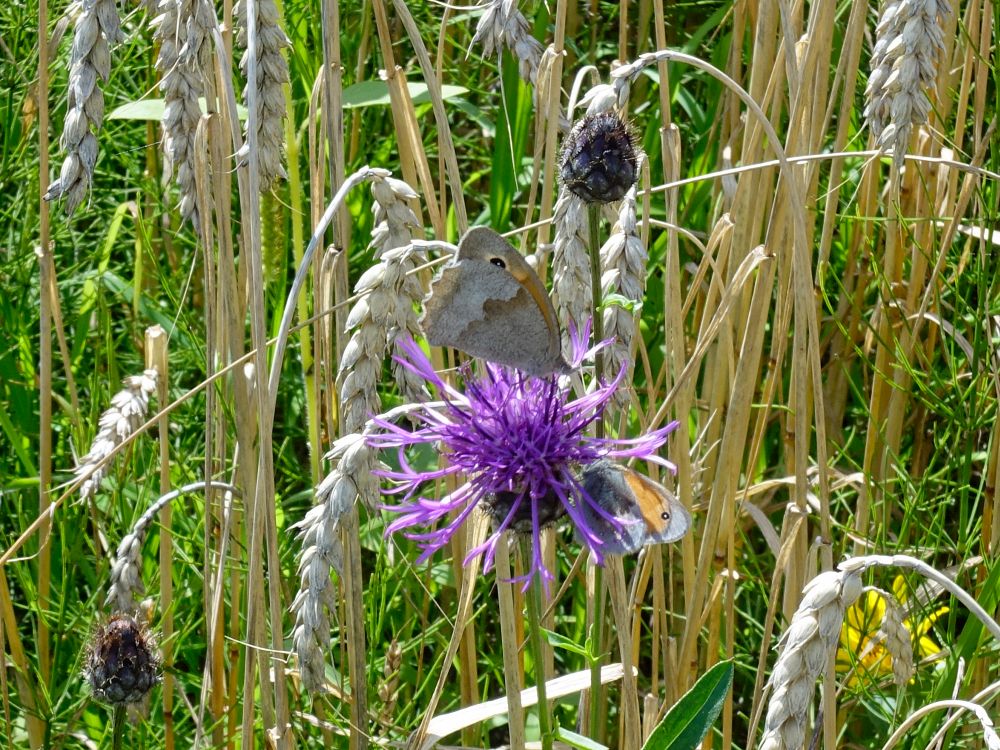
(820, 317)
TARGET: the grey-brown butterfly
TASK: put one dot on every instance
(646, 512)
(489, 303)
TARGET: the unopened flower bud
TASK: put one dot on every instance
(121, 664)
(599, 162)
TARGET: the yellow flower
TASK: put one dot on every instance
(862, 654)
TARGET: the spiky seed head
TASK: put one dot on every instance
(599, 162)
(121, 664)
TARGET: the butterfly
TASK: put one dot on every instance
(646, 511)
(489, 303)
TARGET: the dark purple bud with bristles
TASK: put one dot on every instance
(121, 664)
(599, 162)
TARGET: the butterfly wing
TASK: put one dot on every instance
(605, 485)
(667, 520)
(482, 243)
(489, 303)
(647, 513)
(458, 298)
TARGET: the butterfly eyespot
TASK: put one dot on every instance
(498, 262)
(665, 516)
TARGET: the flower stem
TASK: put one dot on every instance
(595, 666)
(533, 601)
(594, 221)
(594, 235)
(117, 726)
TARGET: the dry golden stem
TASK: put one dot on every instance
(48, 306)
(156, 359)
(510, 644)
(477, 535)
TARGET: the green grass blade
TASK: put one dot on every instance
(691, 718)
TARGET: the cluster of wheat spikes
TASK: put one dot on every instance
(722, 307)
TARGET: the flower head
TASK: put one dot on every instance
(516, 445)
(599, 162)
(862, 652)
(121, 665)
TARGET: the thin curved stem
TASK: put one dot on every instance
(594, 237)
(905, 561)
(923, 711)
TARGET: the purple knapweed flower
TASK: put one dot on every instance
(518, 442)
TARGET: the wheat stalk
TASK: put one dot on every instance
(272, 75)
(126, 573)
(990, 736)
(623, 260)
(897, 639)
(126, 586)
(814, 631)
(909, 40)
(126, 413)
(97, 27)
(182, 49)
(804, 651)
(392, 243)
(571, 261)
(384, 313)
(503, 25)
(322, 552)
(388, 688)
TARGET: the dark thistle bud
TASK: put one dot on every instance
(121, 663)
(599, 162)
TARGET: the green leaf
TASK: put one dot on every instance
(691, 718)
(511, 157)
(477, 115)
(88, 294)
(152, 109)
(20, 443)
(147, 309)
(578, 740)
(620, 300)
(558, 641)
(376, 93)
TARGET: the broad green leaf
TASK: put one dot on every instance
(477, 115)
(364, 94)
(376, 93)
(152, 109)
(511, 157)
(690, 719)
